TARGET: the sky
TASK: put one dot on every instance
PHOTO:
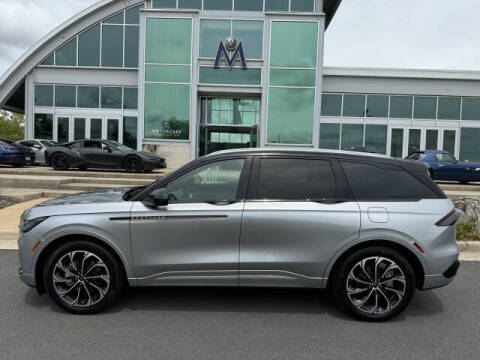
(424, 34)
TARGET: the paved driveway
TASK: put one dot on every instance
(237, 324)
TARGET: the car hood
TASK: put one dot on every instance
(103, 196)
(470, 164)
(15, 147)
(105, 201)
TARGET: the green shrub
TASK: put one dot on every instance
(466, 231)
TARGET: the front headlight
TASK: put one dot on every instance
(27, 225)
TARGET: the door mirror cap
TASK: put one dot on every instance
(38, 147)
(157, 198)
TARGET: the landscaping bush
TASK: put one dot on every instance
(466, 231)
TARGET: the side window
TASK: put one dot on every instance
(93, 145)
(295, 179)
(380, 182)
(76, 145)
(444, 158)
(215, 182)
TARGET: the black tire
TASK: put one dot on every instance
(349, 268)
(112, 290)
(133, 164)
(464, 182)
(82, 168)
(430, 172)
(60, 162)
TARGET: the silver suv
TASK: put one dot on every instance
(369, 228)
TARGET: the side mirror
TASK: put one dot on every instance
(109, 149)
(157, 198)
(38, 147)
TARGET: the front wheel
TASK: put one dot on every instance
(133, 164)
(374, 284)
(83, 277)
(60, 162)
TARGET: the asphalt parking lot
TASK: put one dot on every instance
(192, 323)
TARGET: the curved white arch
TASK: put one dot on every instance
(16, 74)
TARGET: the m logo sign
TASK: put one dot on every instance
(230, 44)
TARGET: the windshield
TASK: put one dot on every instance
(415, 156)
(47, 143)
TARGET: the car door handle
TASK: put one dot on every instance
(331, 201)
(221, 203)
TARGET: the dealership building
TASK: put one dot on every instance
(184, 78)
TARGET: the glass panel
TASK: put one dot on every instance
(63, 129)
(112, 46)
(115, 19)
(112, 97)
(448, 108)
(43, 127)
(211, 33)
(276, 5)
(228, 111)
(65, 96)
(249, 5)
(300, 38)
(295, 179)
(190, 4)
(377, 106)
(469, 144)
(401, 107)
(331, 105)
(425, 107)
(89, 47)
(95, 128)
(471, 109)
(250, 33)
(224, 75)
(414, 140)
(167, 111)
(131, 46)
(376, 138)
(330, 136)
(132, 15)
(217, 4)
(167, 73)
(354, 105)
(396, 149)
(352, 136)
(67, 55)
(449, 140)
(130, 131)
(50, 60)
(79, 129)
(88, 97)
(290, 115)
(302, 5)
(43, 95)
(292, 77)
(112, 129)
(169, 41)
(431, 142)
(209, 183)
(130, 98)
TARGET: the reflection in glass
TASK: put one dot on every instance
(211, 33)
(79, 128)
(65, 96)
(95, 128)
(130, 131)
(414, 140)
(43, 126)
(449, 108)
(377, 106)
(376, 138)
(331, 104)
(67, 54)
(43, 95)
(352, 136)
(88, 97)
(396, 148)
(449, 141)
(353, 105)
(250, 33)
(431, 141)
(330, 136)
(401, 107)
(112, 45)
(469, 144)
(112, 129)
(425, 107)
(63, 128)
(89, 47)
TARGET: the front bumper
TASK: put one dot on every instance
(151, 164)
(17, 159)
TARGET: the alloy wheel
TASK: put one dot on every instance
(81, 278)
(376, 285)
(59, 162)
(133, 165)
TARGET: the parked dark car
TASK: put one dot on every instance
(15, 154)
(443, 166)
(84, 154)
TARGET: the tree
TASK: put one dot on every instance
(12, 126)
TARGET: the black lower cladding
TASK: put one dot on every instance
(452, 270)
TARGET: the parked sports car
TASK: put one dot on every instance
(443, 166)
(38, 147)
(15, 154)
(83, 154)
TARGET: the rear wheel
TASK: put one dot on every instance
(60, 162)
(374, 284)
(83, 277)
(133, 164)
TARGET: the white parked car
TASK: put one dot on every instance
(38, 146)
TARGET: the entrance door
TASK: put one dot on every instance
(62, 129)
(228, 123)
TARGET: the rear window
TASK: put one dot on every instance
(381, 182)
(295, 179)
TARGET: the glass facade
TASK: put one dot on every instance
(43, 126)
(65, 96)
(111, 97)
(96, 128)
(88, 97)
(377, 106)
(167, 103)
(291, 107)
(63, 129)
(352, 136)
(354, 105)
(130, 131)
(301, 6)
(79, 127)
(469, 150)
(330, 136)
(43, 95)
(401, 107)
(376, 138)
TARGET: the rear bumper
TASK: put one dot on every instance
(439, 280)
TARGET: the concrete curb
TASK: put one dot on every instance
(469, 246)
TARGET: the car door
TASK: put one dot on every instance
(92, 152)
(447, 168)
(195, 239)
(298, 212)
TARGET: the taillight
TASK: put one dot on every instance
(451, 218)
